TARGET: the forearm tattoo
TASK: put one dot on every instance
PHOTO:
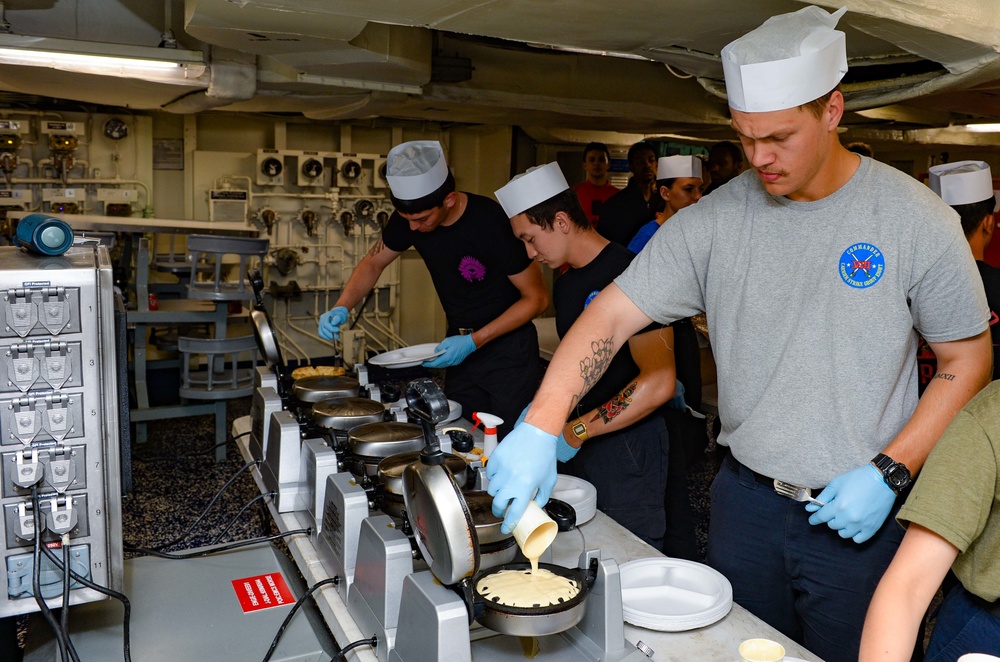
(945, 375)
(611, 409)
(376, 248)
(592, 368)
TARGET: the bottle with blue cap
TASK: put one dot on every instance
(43, 234)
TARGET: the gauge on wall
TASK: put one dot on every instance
(115, 129)
(271, 167)
(350, 170)
(312, 168)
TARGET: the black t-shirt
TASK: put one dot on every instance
(572, 292)
(991, 283)
(470, 261)
(626, 211)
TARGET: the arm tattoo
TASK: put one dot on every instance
(616, 405)
(945, 375)
(376, 248)
(592, 367)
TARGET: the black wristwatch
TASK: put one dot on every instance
(895, 474)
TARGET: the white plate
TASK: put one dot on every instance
(673, 595)
(787, 659)
(407, 357)
(578, 493)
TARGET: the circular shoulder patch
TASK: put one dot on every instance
(862, 265)
(590, 297)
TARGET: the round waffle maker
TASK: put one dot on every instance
(446, 535)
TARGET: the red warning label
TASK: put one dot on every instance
(262, 592)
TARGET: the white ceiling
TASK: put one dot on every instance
(640, 66)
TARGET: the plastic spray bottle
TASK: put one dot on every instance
(490, 424)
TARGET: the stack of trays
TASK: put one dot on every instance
(578, 493)
(673, 595)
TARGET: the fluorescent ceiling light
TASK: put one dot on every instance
(153, 64)
(983, 128)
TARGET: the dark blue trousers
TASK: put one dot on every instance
(629, 470)
(803, 580)
(963, 626)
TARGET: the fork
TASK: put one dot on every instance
(795, 492)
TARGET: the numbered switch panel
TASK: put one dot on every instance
(58, 515)
(44, 418)
(40, 311)
(40, 365)
(52, 469)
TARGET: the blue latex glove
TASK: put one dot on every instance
(564, 452)
(524, 461)
(857, 503)
(330, 322)
(677, 402)
(456, 349)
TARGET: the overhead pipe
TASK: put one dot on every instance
(232, 77)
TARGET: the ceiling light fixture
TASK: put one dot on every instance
(158, 65)
(983, 128)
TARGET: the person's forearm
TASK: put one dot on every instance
(892, 624)
(960, 375)
(362, 280)
(583, 356)
(633, 403)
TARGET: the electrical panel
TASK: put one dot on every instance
(59, 440)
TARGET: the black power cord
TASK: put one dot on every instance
(251, 502)
(207, 451)
(62, 637)
(291, 612)
(342, 655)
(127, 606)
(218, 550)
(170, 543)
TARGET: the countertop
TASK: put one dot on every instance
(716, 642)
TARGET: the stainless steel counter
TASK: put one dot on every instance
(715, 643)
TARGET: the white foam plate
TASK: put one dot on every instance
(787, 659)
(578, 493)
(407, 357)
(673, 595)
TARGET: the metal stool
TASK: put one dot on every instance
(211, 370)
(213, 250)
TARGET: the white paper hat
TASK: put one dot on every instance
(416, 169)
(961, 182)
(791, 59)
(671, 167)
(534, 185)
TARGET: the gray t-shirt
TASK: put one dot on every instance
(813, 310)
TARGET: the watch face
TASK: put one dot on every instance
(898, 476)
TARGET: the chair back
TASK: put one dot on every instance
(224, 280)
(217, 369)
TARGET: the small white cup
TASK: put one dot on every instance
(978, 657)
(761, 650)
(535, 531)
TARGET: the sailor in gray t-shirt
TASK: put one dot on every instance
(817, 270)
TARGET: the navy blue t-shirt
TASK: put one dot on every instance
(470, 261)
(571, 293)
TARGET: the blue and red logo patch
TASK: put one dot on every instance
(862, 265)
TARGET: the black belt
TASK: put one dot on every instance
(735, 466)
